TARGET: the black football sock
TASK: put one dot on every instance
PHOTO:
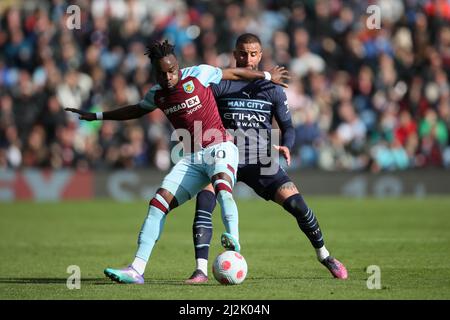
(306, 219)
(202, 228)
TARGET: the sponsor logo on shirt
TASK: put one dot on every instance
(245, 117)
(188, 103)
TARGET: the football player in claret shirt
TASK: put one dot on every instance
(248, 108)
(210, 156)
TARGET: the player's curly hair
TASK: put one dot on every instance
(158, 50)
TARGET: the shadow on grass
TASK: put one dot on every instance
(92, 281)
(155, 282)
(51, 280)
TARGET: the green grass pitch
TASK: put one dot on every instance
(409, 239)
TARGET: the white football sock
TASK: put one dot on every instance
(139, 265)
(322, 253)
(202, 264)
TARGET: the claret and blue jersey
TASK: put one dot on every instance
(191, 101)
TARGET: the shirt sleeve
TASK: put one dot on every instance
(222, 88)
(205, 73)
(148, 102)
(283, 117)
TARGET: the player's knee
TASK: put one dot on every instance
(222, 184)
(209, 188)
(171, 199)
(223, 191)
(296, 206)
(163, 200)
(221, 176)
(206, 196)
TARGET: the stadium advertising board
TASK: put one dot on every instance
(42, 185)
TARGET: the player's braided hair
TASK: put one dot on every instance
(158, 50)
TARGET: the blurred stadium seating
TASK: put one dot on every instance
(361, 100)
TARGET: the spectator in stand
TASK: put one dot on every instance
(394, 78)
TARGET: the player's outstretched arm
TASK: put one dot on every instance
(276, 75)
(125, 113)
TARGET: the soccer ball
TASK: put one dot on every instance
(230, 267)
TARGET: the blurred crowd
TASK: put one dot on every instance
(361, 97)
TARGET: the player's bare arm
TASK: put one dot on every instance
(125, 113)
(277, 75)
(285, 152)
(286, 128)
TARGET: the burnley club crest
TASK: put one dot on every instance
(188, 87)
